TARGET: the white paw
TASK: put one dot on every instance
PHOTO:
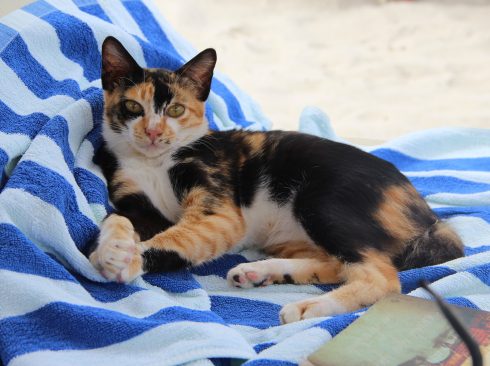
(118, 259)
(311, 308)
(248, 275)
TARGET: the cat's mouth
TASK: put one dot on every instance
(153, 149)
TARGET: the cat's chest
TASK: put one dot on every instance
(155, 183)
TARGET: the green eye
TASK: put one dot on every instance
(175, 110)
(133, 107)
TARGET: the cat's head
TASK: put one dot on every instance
(153, 111)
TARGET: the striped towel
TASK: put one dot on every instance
(55, 309)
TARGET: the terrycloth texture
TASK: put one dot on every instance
(55, 309)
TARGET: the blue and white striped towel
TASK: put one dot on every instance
(55, 309)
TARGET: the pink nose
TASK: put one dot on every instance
(153, 134)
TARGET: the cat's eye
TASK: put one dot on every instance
(175, 110)
(133, 107)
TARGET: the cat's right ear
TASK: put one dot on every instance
(117, 65)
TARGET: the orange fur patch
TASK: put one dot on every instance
(393, 213)
(123, 186)
(368, 281)
(198, 236)
(297, 249)
(255, 141)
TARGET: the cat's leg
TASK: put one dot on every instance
(299, 262)
(118, 256)
(208, 228)
(366, 282)
(282, 270)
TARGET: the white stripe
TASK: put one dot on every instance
(461, 284)
(482, 301)
(22, 101)
(275, 334)
(464, 263)
(84, 159)
(99, 212)
(460, 199)
(443, 143)
(220, 112)
(79, 119)
(168, 344)
(120, 16)
(472, 176)
(474, 231)
(297, 347)
(44, 45)
(275, 294)
(14, 145)
(43, 224)
(37, 291)
(48, 154)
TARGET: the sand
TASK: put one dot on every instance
(378, 68)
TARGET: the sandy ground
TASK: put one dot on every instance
(379, 69)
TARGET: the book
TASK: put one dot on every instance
(406, 331)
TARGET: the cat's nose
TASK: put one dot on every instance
(153, 133)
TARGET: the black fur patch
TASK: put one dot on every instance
(146, 218)
(162, 95)
(163, 261)
(288, 279)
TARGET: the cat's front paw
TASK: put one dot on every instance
(118, 256)
(248, 275)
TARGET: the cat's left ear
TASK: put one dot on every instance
(118, 65)
(200, 70)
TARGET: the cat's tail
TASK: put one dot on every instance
(440, 243)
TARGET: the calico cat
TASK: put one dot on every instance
(183, 195)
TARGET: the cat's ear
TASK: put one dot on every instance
(117, 64)
(200, 70)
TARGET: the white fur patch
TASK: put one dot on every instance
(154, 181)
(268, 223)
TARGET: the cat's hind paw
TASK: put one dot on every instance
(248, 275)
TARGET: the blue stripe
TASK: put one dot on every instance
(176, 282)
(253, 313)
(411, 278)
(220, 266)
(91, 7)
(101, 291)
(77, 41)
(57, 130)
(39, 8)
(234, 109)
(7, 34)
(4, 159)
(470, 251)
(461, 301)
(19, 254)
(482, 212)
(482, 272)
(108, 292)
(39, 181)
(29, 125)
(263, 346)
(16, 55)
(445, 184)
(268, 362)
(92, 187)
(337, 323)
(61, 326)
(407, 163)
